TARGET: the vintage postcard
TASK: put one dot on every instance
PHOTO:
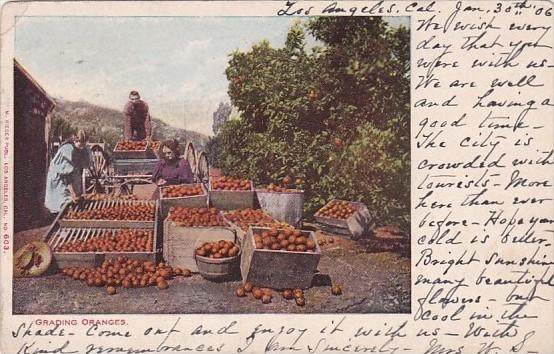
(253, 176)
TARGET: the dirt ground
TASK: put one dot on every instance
(374, 275)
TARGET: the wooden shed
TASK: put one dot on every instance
(32, 106)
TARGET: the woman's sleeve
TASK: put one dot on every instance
(157, 173)
(62, 164)
(185, 172)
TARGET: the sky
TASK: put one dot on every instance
(176, 63)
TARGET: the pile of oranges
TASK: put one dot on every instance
(218, 249)
(266, 294)
(131, 145)
(285, 240)
(263, 294)
(181, 191)
(138, 212)
(196, 217)
(118, 241)
(230, 184)
(126, 273)
(337, 210)
(249, 217)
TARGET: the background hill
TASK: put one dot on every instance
(106, 124)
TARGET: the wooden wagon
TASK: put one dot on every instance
(122, 170)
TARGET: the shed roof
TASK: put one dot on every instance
(25, 73)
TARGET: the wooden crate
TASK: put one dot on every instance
(145, 153)
(230, 200)
(355, 226)
(179, 243)
(60, 235)
(195, 201)
(278, 269)
(283, 206)
(99, 204)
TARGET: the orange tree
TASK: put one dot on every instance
(334, 117)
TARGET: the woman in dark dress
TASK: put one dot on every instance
(171, 169)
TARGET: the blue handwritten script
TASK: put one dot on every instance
(483, 210)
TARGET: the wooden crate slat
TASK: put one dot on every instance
(89, 234)
(64, 234)
(71, 236)
(77, 259)
(56, 238)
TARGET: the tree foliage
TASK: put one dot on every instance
(335, 116)
(61, 128)
(220, 116)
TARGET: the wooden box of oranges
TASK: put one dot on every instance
(228, 193)
(114, 213)
(130, 149)
(344, 217)
(89, 247)
(187, 228)
(183, 195)
(279, 258)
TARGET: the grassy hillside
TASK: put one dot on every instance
(106, 124)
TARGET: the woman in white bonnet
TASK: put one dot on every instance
(63, 183)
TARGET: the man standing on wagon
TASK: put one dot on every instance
(138, 123)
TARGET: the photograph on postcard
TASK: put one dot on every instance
(211, 165)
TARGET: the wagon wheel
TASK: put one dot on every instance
(98, 170)
(190, 156)
(202, 168)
